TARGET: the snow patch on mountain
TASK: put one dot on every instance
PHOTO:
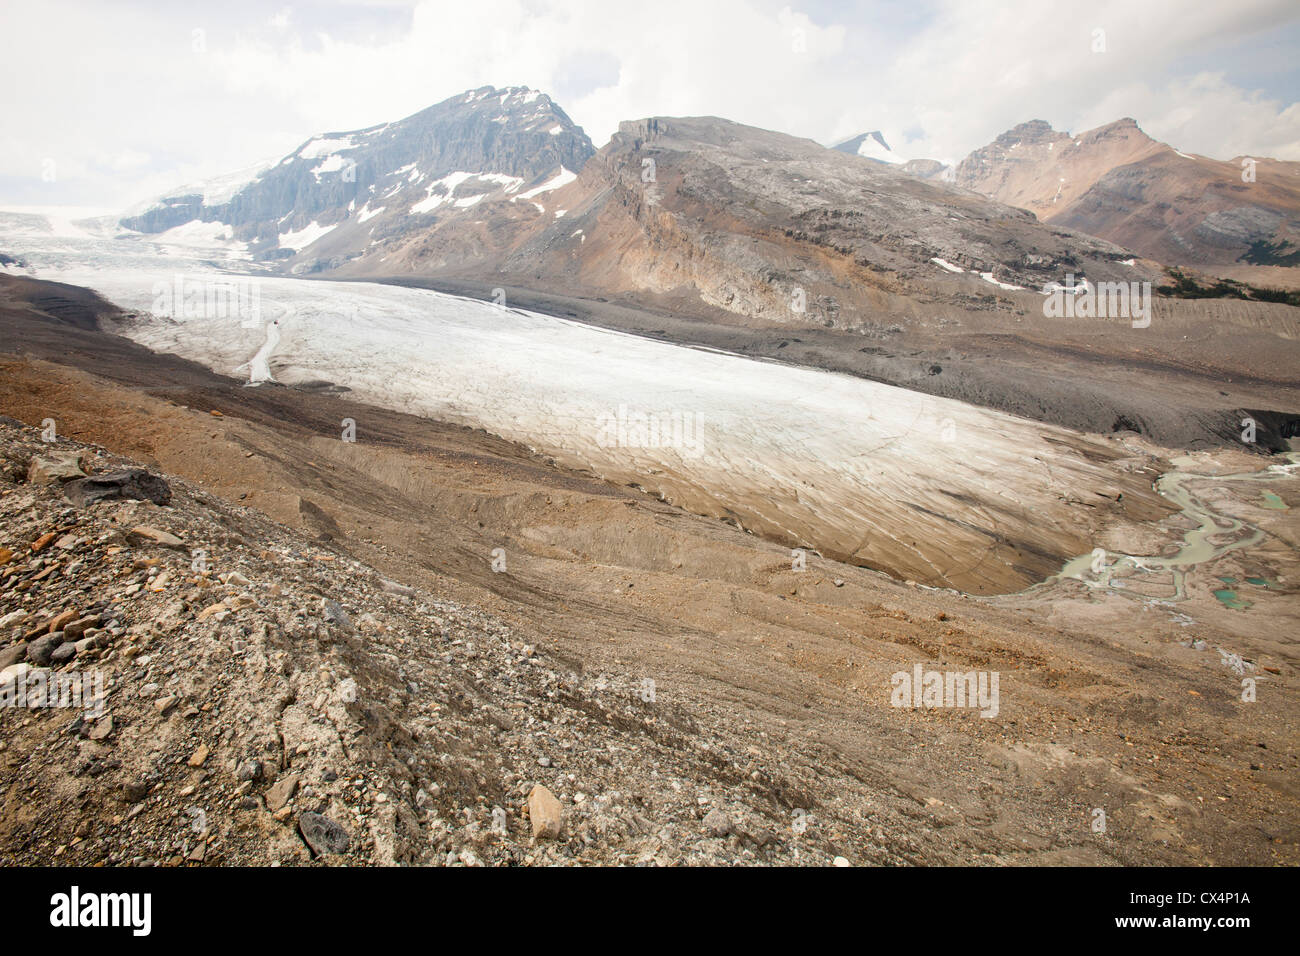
(870, 146)
(486, 144)
(305, 236)
(441, 191)
(988, 277)
(320, 146)
(562, 178)
(333, 163)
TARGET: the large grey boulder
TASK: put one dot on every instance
(134, 483)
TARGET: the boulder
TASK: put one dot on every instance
(144, 533)
(58, 466)
(545, 813)
(322, 834)
(41, 650)
(717, 823)
(133, 483)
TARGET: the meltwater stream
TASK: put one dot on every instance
(1214, 535)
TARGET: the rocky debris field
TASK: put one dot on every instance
(1109, 701)
(250, 697)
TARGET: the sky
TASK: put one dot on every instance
(108, 104)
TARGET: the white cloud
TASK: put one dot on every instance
(1206, 114)
(122, 100)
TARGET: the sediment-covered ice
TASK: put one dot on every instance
(923, 486)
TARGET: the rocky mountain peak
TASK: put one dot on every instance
(1117, 183)
(1034, 131)
(1126, 128)
(466, 146)
(871, 145)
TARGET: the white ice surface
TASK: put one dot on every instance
(198, 234)
(811, 454)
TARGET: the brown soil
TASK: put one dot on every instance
(1102, 704)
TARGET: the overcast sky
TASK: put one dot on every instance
(108, 104)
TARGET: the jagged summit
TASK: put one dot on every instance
(1031, 131)
(446, 157)
(870, 145)
(1118, 183)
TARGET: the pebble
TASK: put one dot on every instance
(101, 728)
(282, 791)
(75, 630)
(334, 614)
(12, 654)
(61, 620)
(134, 791)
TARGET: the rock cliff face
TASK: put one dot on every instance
(1117, 183)
(385, 179)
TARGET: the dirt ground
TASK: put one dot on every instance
(1106, 703)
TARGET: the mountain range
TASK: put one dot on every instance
(701, 211)
(500, 181)
(708, 232)
(339, 194)
(1117, 183)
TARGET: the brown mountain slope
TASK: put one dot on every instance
(1117, 183)
(1037, 168)
(704, 214)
